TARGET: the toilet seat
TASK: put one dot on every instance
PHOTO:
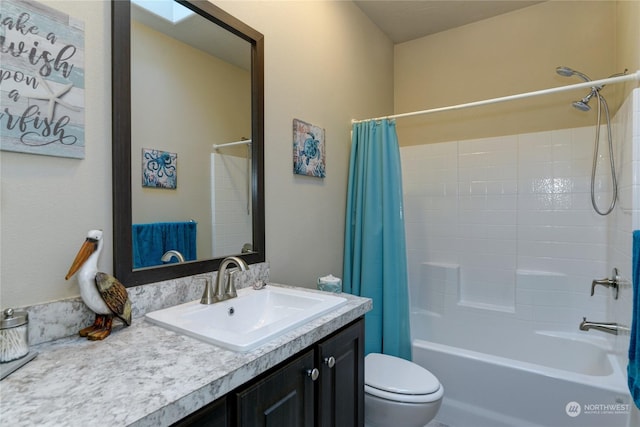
(400, 380)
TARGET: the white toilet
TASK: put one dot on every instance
(399, 393)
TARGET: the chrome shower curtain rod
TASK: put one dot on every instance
(611, 80)
(229, 144)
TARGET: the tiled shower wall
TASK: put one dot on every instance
(230, 204)
(511, 218)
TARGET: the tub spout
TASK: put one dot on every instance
(608, 327)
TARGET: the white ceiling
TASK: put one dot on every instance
(407, 20)
(401, 20)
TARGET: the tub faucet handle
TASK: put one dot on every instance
(608, 282)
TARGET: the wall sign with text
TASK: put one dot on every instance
(41, 80)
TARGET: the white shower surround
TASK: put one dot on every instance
(231, 222)
(501, 231)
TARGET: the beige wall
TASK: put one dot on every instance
(325, 63)
(628, 37)
(48, 204)
(513, 53)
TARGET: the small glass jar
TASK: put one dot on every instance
(330, 283)
(14, 339)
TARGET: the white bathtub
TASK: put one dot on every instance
(495, 377)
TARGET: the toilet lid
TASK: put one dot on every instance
(395, 375)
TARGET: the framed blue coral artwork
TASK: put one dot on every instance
(159, 169)
(309, 154)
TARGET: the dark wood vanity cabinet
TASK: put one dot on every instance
(322, 386)
(284, 398)
(340, 386)
(213, 415)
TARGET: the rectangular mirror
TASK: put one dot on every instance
(184, 85)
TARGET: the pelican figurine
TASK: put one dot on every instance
(102, 293)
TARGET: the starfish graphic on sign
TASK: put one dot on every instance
(53, 97)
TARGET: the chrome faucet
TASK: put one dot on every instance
(225, 288)
(608, 327)
(170, 254)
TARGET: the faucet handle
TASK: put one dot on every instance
(604, 282)
(208, 296)
(231, 292)
(608, 282)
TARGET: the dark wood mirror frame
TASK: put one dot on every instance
(121, 146)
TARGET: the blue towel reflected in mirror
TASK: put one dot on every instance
(151, 241)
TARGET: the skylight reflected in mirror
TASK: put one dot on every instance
(168, 10)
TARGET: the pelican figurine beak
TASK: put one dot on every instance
(88, 247)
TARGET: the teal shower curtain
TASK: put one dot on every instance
(633, 368)
(375, 261)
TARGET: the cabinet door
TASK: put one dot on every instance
(282, 399)
(212, 415)
(341, 384)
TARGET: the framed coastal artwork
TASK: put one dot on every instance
(41, 80)
(159, 169)
(309, 154)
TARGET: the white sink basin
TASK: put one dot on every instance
(250, 320)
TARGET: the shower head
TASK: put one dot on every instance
(568, 72)
(583, 104)
(564, 71)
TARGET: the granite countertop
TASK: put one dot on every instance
(144, 375)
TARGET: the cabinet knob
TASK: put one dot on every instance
(330, 361)
(313, 374)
